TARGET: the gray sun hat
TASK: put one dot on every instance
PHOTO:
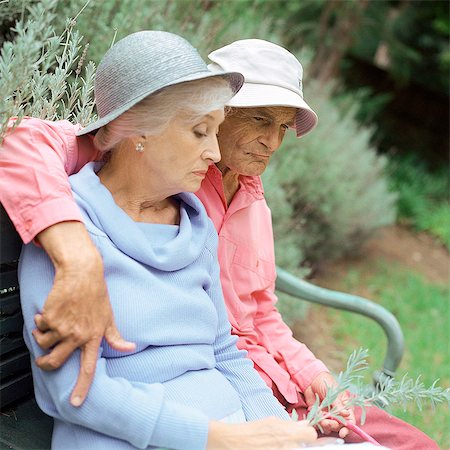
(142, 64)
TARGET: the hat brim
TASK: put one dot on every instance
(235, 79)
(254, 95)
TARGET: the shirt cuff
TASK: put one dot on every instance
(304, 377)
(32, 220)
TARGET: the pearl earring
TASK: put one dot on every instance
(140, 147)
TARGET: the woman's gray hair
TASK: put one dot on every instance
(152, 115)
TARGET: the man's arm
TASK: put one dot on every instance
(77, 312)
(273, 333)
(256, 398)
(309, 373)
(35, 161)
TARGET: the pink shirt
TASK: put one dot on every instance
(34, 162)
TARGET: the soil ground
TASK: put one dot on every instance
(396, 244)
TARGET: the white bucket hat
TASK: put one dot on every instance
(273, 77)
(144, 63)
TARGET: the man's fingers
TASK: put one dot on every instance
(41, 323)
(88, 362)
(57, 357)
(329, 425)
(345, 413)
(47, 339)
(115, 340)
(310, 396)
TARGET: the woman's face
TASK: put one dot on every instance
(181, 155)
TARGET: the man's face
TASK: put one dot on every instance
(249, 136)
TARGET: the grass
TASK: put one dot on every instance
(423, 312)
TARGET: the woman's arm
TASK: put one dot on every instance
(273, 333)
(35, 161)
(136, 412)
(77, 312)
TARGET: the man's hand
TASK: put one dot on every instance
(319, 386)
(77, 312)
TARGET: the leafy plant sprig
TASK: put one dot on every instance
(327, 407)
(388, 392)
(407, 390)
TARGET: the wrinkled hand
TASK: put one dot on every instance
(266, 434)
(319, 386)
(77, 312)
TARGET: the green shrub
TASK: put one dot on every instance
(40, 72)
(206, 24)
(40, 66)
(423, 196)
(435, 218)
(328, 191)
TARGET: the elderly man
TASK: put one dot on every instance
(35, 192)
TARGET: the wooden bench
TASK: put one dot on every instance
(24, 426)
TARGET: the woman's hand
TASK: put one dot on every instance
(266, 434)
(77, 312)
(319, 386)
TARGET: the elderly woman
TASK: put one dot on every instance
(185, 384)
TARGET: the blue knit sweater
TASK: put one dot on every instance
(164, 286)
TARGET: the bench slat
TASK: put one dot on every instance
(27, 427)
(11, 324)
(10, 304)
(15, 389)
(8, 276)
(10, 244)
(10, 343)
(16, 363)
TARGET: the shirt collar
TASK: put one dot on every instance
(249, 184)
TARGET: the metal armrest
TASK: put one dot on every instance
(296, 287)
